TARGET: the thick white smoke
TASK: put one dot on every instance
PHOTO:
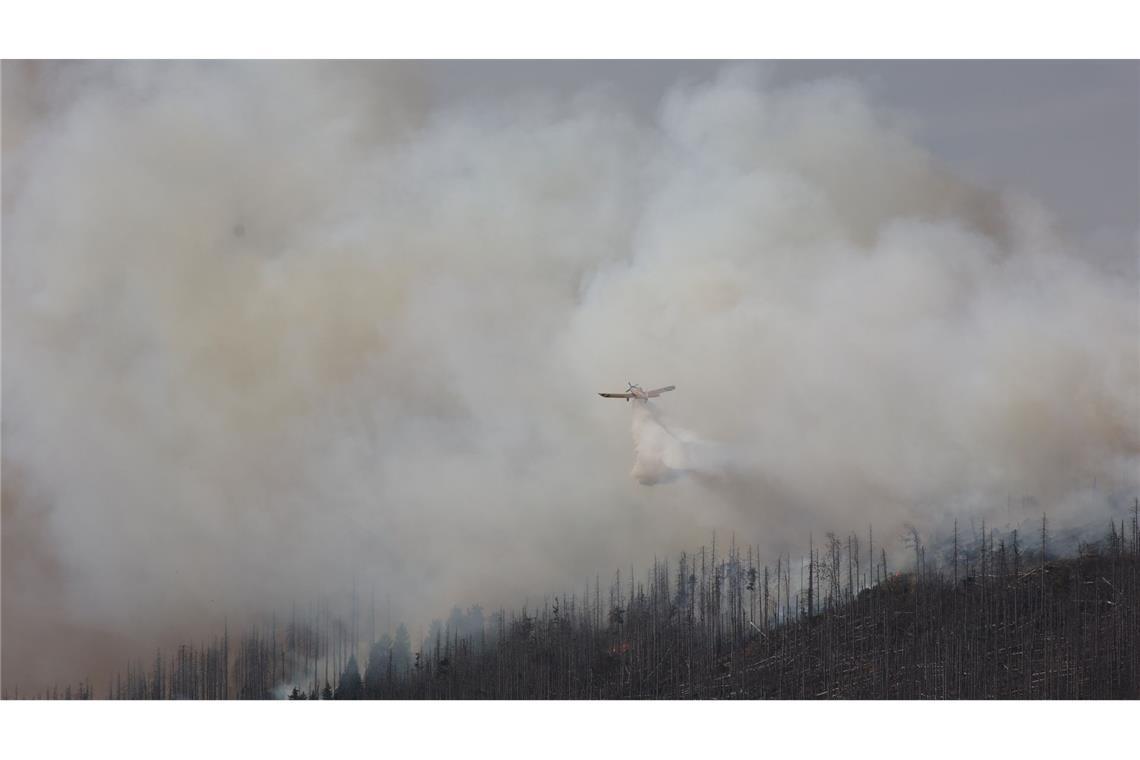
(270, 327)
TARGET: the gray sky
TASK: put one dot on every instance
(1067, 132)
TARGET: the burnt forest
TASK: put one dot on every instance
(999, 615)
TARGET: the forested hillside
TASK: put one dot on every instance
(987, 619)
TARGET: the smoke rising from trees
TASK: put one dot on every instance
(270, 327)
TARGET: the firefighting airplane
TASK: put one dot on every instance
(639, 393)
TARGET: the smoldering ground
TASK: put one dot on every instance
(271, 327)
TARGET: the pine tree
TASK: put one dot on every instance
(402, 650)
(350, 686)
(375, 671)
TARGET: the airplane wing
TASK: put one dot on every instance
(616, 395)
(657, 392)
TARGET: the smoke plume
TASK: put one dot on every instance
(269, 328)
